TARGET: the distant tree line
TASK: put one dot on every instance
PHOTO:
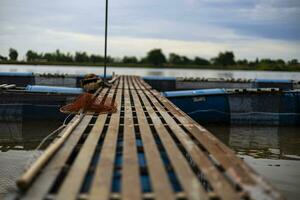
(154, 57)
(13, 55)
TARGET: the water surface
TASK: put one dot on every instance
(274, 152)
(18, 141)
(207, 73)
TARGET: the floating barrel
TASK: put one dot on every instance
(53, 89)
(205, 106)
(56, 81)
(20, 79)
(16, 74)
(263, 107)
(260, 108)
(161, 83)
(273, 83)
(289, 111)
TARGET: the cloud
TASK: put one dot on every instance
(124, 45)
(252, 28)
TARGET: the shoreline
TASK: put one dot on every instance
(147, 66)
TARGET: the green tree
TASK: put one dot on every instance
(224, 59)
(156, 57)
(32, 56)
(13, 54)
(201, 61)
(175, 59)
(130, 59)
(293, 62)
(50, 57)
(186, 60)
(67, 57)
(3, 58)
(143, 60)
(280, 62)
(81, 57)
(110, 59)
(242, 62)
(267, 62)
(96, 58)
(57, 56)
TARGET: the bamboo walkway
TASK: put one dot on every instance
(148, 149)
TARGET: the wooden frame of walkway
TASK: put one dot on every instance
(148, 149)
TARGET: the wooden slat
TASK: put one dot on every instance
(187, 178)
(239, 172)
(130, 82)
(217, 180)
(78, 170)
(158, 175)
(180, 137)
(45, 180)
(212, 143)
(126, 86)
(130, 174)
(118, 82)
(142, 84)
(101, 185)
(121, 83)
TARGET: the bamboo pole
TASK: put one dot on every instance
(26, 179)
(3, 85)
(10, 86)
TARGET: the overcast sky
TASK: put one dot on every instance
(250, 28)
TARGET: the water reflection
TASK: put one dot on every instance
(274, 152)
(207, 73)
(18, 141)
(274, 142)
(155, 73)
(226, 75)
(24, 134)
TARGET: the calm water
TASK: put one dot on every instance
(272, 151)
(151, 71)
(18, 141)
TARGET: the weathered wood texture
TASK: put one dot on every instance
(148, 149)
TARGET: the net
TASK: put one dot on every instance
(89, 103)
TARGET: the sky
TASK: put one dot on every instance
(251, 28)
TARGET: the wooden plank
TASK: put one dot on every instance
(158, 175)
(126, 86)
(130, 174)
(130, 83)
(186, 176)
(240, 173)
(73, 182)
(201, 134)
(118, 82)
(217, 153)
(217, 180)
(3, 85)
(45, 180)
(121, 83)
(101, 185)
(143, 85)
(137, 84)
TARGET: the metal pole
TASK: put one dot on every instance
(105, 45)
